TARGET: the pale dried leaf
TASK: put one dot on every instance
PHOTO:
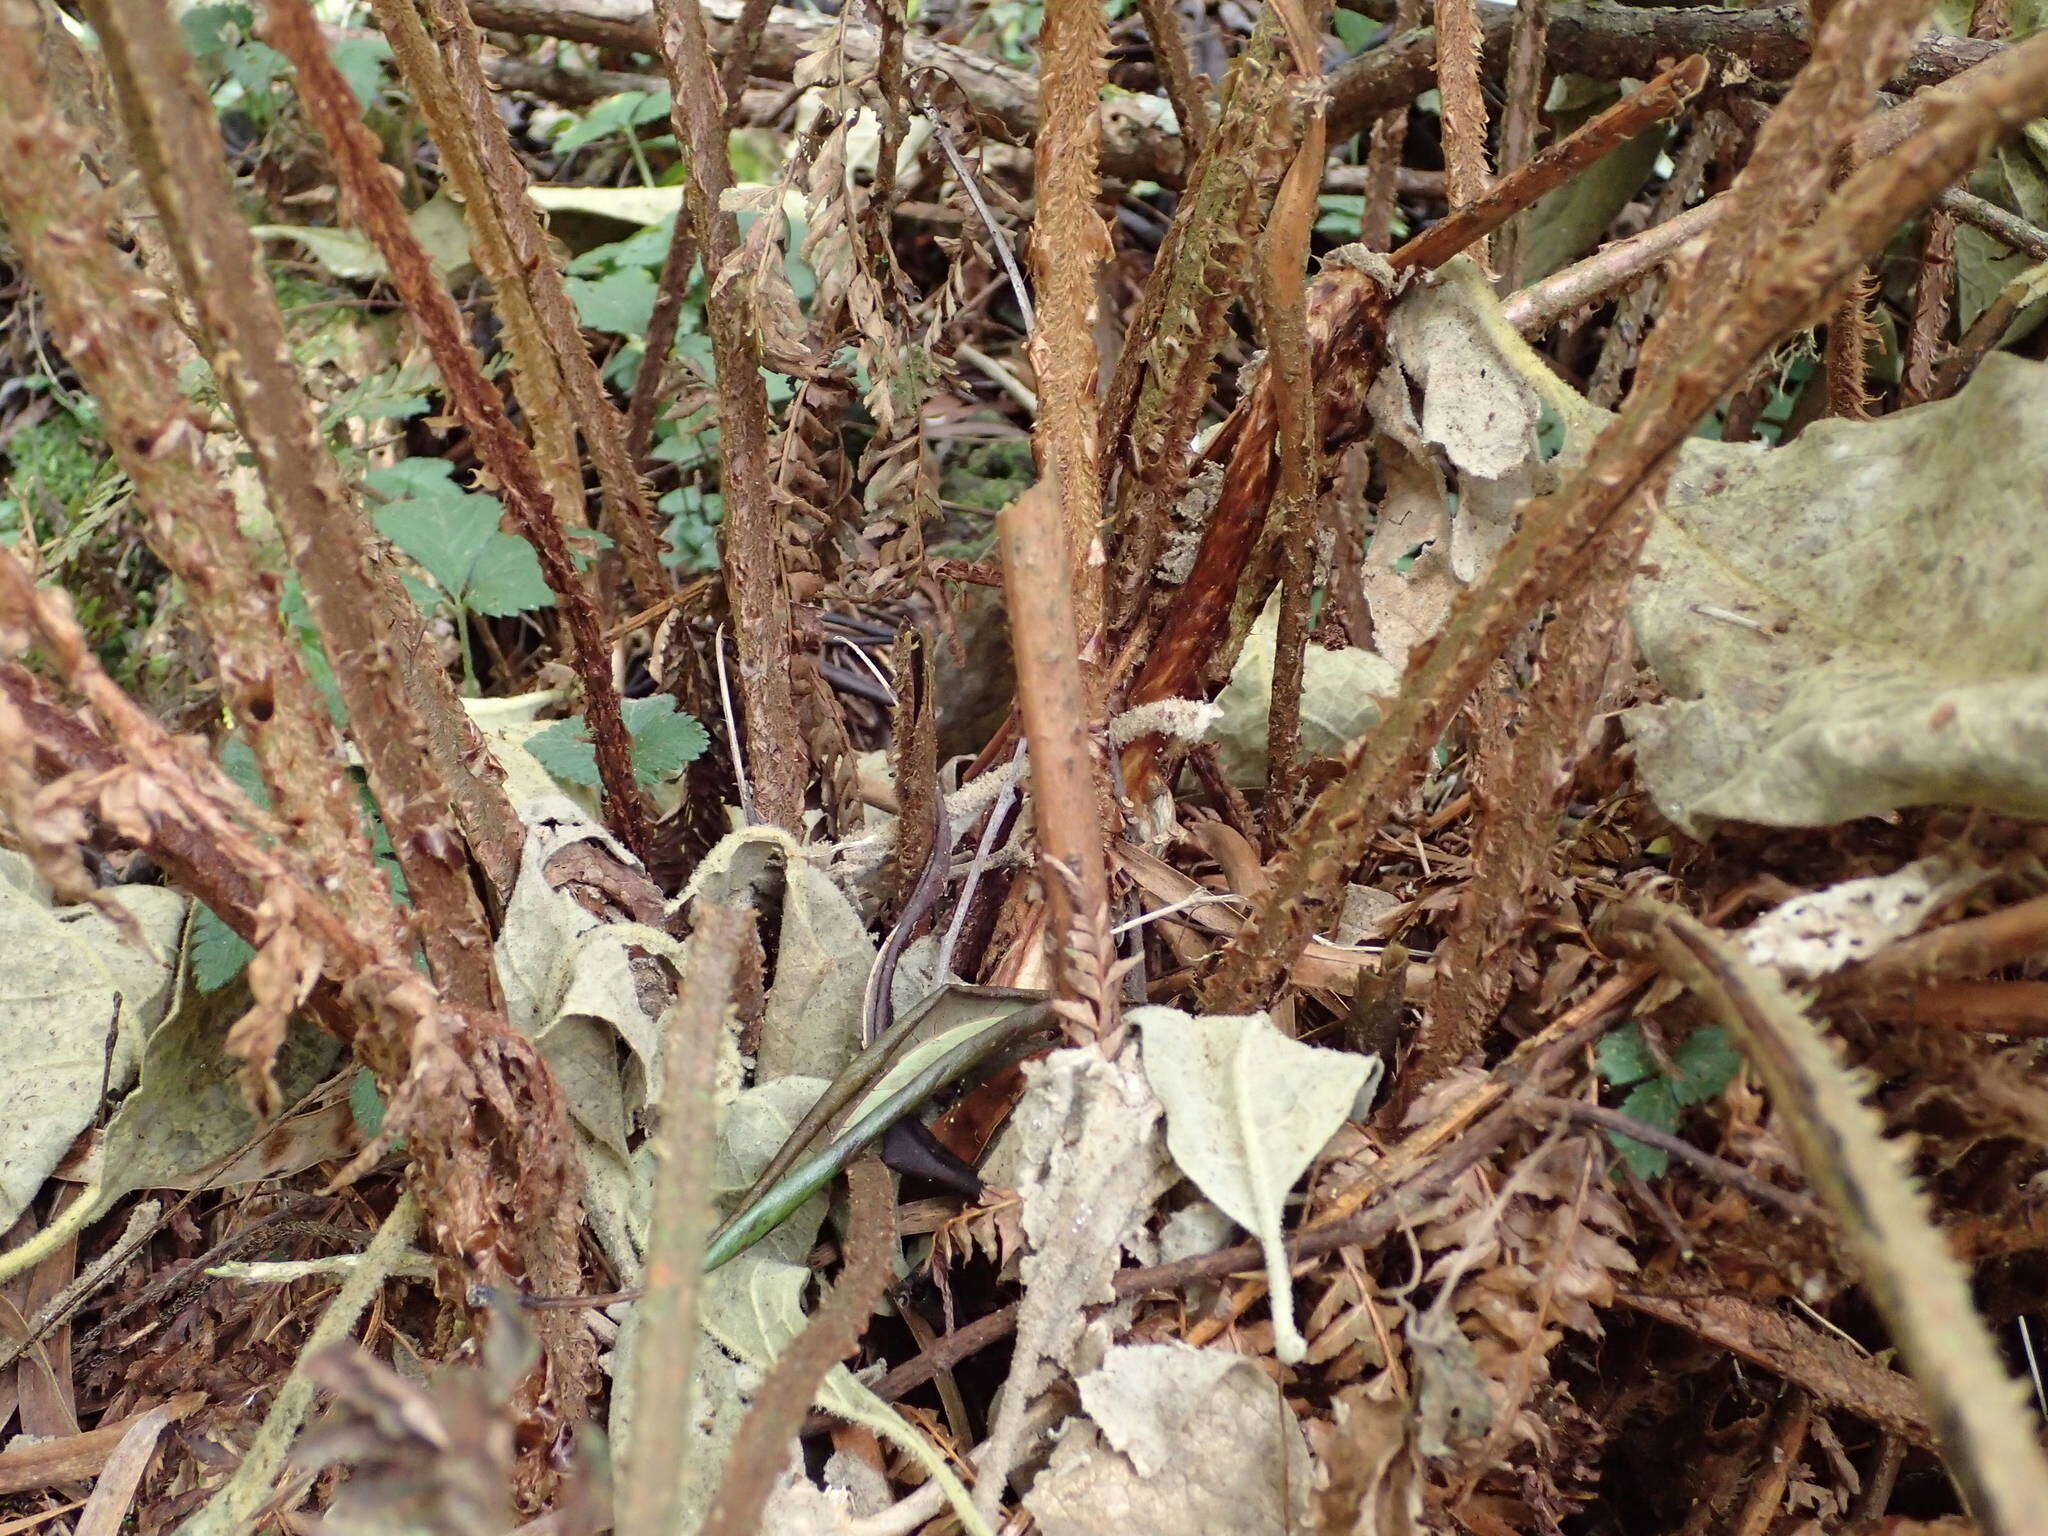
(1247, 1110)
(1176, 1439)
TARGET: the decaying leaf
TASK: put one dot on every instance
(569, 983)
(1089, 1163)
(1247, 1109)
(1810, 936)
(1852, 623)
(77, 1001)
(1847, 625)
(1175, 1439)
(1340, 694)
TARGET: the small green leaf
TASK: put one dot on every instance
(455, 538)
(1707, 1063)
(614, 114)
(1624, 1058)
(1354, 30)
(664, 741)
(365, 1103)
(506, 579)
(620, 302)
(361, 61)
(218, 953)
(1655, 1107)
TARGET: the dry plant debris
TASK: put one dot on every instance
(1011, 766)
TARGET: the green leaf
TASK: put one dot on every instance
(1623, 1058)
(506, 579)
(664, 741)
(1707, 1063)
(614, 115)
(454, 537)
(218, 952)
(1354, 30)
(620, 302)
(361, 61)
(1654, 1105)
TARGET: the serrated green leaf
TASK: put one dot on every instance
(1623, 1057)
(455, 538)
(1707, 1063)
(414, 479)
(620, 303)
(1653, 1105)
(665, 740)
(506, 579)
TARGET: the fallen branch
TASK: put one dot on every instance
(1592, 37)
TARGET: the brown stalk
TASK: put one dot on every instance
(1786, 289)
(761, 1450)
(1632, 316)
(652, 1496)
(1161, 384)
(1346, 309)
(1052, 698)
(1933, 289)
(1184, 90)
(122, 347)
(1458, 79)
(176, 141)
(1520, 785)
(670, 291)
(1291, 527)
(1522, 118)
(358, 163)
(1069, 241)
(502, 198)
(536, 368)
(1383, 158)
(755, 582)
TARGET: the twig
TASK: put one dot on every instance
(669, 294)
(652, 1496)
(1996, 222)
(1793, 1204)
(1614, 266)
